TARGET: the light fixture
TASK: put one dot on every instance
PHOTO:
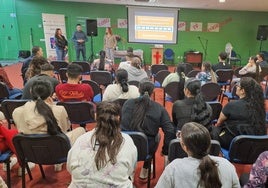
(222, 1)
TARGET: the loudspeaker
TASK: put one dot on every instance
(262, 32)
(92, 29)
(24, 54)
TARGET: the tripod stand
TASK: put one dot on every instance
(91, 57)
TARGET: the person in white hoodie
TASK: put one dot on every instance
(135, 72)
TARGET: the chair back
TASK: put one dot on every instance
(62, 74)
(192, 73)
(188, 68)
(96, 90)
(4, 94)
(101, 77)
(42, 148)
(210, 91)
(225, 75)
(8, 106)
(79, 112)
(174, 90)
(135, 83)
(175, 150)
(245, 149)
(85, 67)
(160, 77)
(216, 107)
(158, 67)
(58, 65)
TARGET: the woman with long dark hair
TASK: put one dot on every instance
(147, 116)
(244, 116)
(61, 45)
(199, 169)
(121, 89)
(103, 157)
(193, 107)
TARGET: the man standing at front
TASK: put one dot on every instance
(80, 38)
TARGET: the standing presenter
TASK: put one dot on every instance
(109, 43)
(80, 38)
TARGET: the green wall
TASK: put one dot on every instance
(237, 27)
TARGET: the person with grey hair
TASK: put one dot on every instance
(135, 71)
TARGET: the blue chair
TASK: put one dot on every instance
(41, 149)
(245, 149)
(168, 55)
(4, 93)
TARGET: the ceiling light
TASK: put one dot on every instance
(222, 1)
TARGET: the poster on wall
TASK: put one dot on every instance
(196, 26)
(213, 27)
(182, 26)
(104, 22)
(50, 23)
(121, 23)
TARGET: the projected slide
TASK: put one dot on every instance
(150, 28)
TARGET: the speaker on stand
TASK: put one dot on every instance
(92, 30)
(262, 34)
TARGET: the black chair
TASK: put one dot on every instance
(225, 77)
(101, 77)
(134, 83)
(156, 68)
(173, 91)
(57, 66)
(160, 77)
(245, 149)
(96, 90)
(169, 55)
(85, 67)
(188, 68)
(210, 91)
(41, 149)
(192, 73)
(4, 93)
(141, 142)
(175, 150)
(8, 106)
(231, 95)
(216, 107)
(5, 158)
(62, 75)
(79, 112)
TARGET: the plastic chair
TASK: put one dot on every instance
(4, 93)
(85, 67)
(62, 75)
(216, 107)
(41, 149)
(188, 68)
(96, 90)
(79, 112)
(134, 83)
(141, 142)
(175, 151)
(168, 55)
(210, 91)
(225, 77)
(8, 106)
(192, 73)
(245, 149)
(173, 91)
(160, 77)
(5, 158)
(101, 77)
(156, 68)
(57, 66)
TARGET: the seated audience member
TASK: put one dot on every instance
(135, 72)
(206, 74)
(73, 90)
(259, 172)
(42, 116)
(36, 51)
(145, 115)
(121, 89)
(103, 157)
(129, 54)
(222, 62)
(46, 74)
(261, 60)
(199, 169)
(35, 67)
(99, 64)
(11, 89)
(250, 67)
(193, 107)
(178, 76)
(244, 116)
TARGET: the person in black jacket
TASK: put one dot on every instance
(61, 45)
